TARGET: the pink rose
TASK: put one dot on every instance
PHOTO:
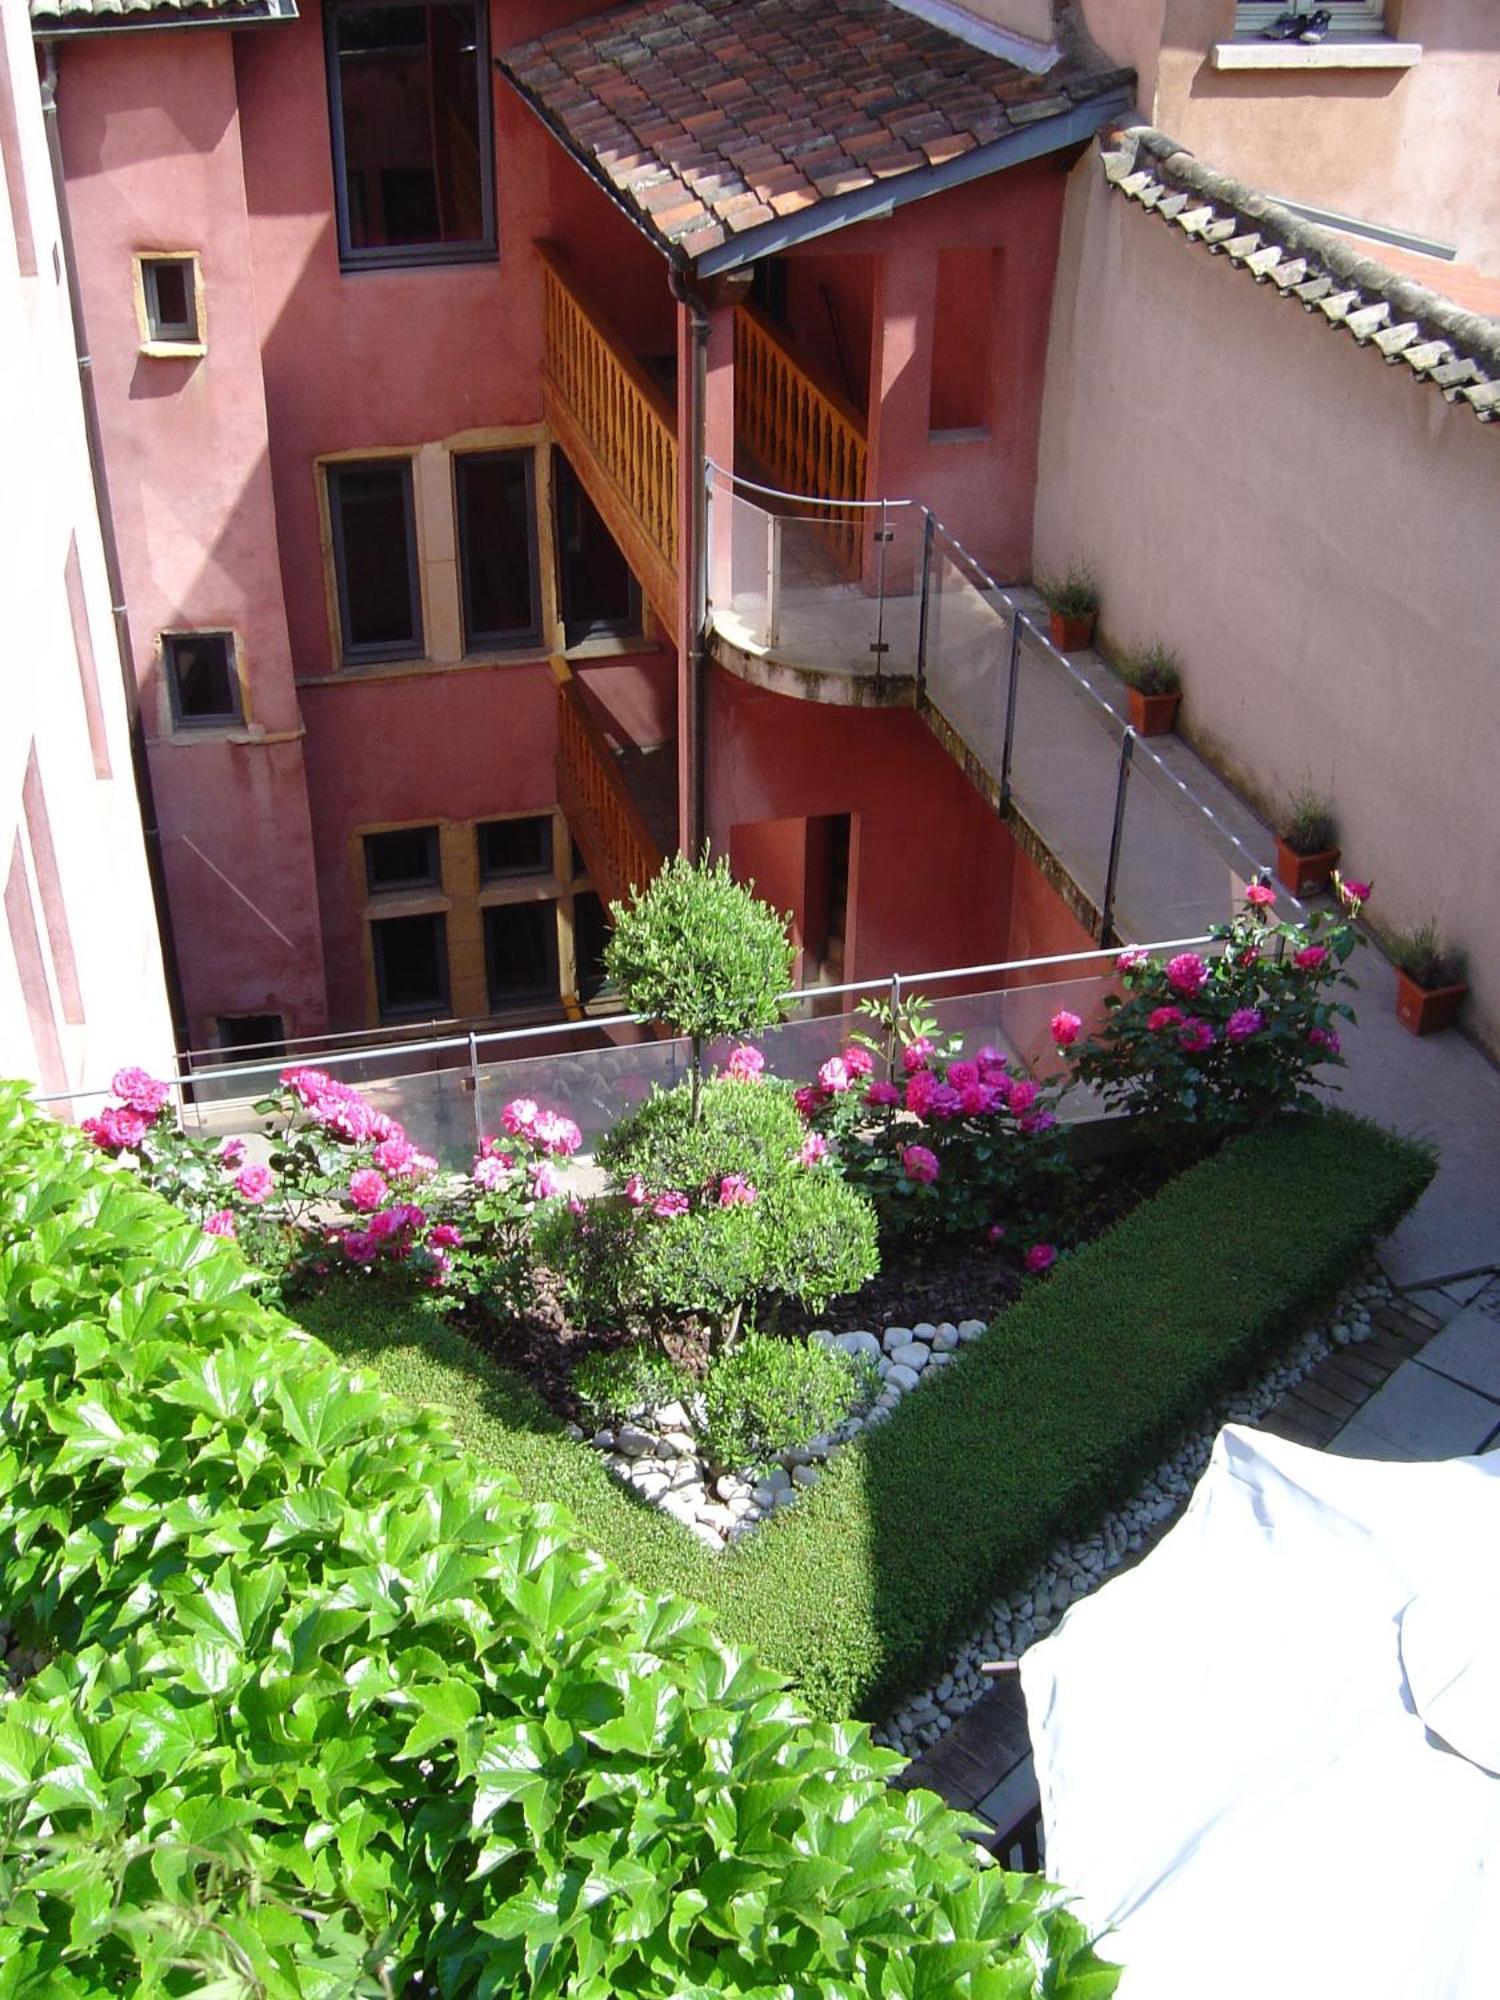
(1038, 1121)
(962, 1074)
(635, 1191)
(394, 1155)
(1187, 973)
(878, 1091)
(1162, 1018)
(230, 1153)
(492, 1171)
(1352, 894)
(1065, 1028)
(813, 1148)
(367, 1190)
(220, 1223)
(1195, 1036)
(556, 1134)
(745, 1064)
(139, 1092)
(736, 1192)
(975, 1100)
(834, 1076)
(946, 1102)
(858, 1061)
(1260, 895)
(1311, 958)
(1133, 960)
(306, 1085)
(444, 1237)
(253, 1183)
(1041, 1257)
(1023, 1094)
(545, 1182)
(914, 1055)
(990, 1059)
(810, 1099)
(519, 1116)
(920, 1165)
(920, 1091)
(117, 1129)
(359, 1247)
(1243, 1023)
(420, 1166)
(1325, 1038)
(673, 1202)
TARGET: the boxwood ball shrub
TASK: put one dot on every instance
(766, 1395)
(326, 1709)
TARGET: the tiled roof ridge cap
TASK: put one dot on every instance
(1471, 331)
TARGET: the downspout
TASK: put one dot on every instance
(140, 766)
(692, 832)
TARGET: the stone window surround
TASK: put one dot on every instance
(440, 586)
(1367, 41)
(169, 350)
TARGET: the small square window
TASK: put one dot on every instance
(411, 967)
(520, 953)
(510, 847)
(201, 679)
(375, 558)
(169, 286)
(251, 1037)
(405, 858)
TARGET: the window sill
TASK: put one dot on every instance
(966, 434)
(174, 350)
(427, 902)
(1333, 54)
(611, 646)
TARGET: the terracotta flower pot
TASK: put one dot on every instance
(1425, 1009)
(1153, 714)
(1305, 874)
(1073, 631)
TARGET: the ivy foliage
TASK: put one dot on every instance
(329, 1712)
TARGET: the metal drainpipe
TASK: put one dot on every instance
(692, 834)
(140, 766)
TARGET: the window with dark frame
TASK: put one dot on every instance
(513, 847)
(497, 556)
(171, 294)
(403, 858)
(375, 558)
(251, 1037)
(411, 966)
(520, 953)
(202, 684)
(600, 596)
(410, 112)
(591, 930)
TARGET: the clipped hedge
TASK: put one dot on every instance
(1088, 1380)
(326, 1711)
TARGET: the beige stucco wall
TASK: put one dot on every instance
(1314, 532)
(1413, 149)
(81, 989)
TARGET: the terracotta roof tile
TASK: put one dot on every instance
(762, 107)
(56, 17)
(1441, 342)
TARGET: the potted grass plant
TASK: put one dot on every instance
(1430, 983)
(1307, 850)
(1072, 598)
(1154, 679)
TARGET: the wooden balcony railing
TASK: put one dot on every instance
(618, 429)
(612, 836)
(809, 439)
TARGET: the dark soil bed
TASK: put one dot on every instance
(932, 1278)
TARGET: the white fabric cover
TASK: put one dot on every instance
(1236, 1777)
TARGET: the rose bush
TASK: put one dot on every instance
(1211, 1044)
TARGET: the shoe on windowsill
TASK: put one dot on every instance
(1285, 28)
(1316, 26)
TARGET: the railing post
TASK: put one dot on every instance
(1012, 683)
(1107, 913)
(773, 581)
(474, 1092)
(928, 519)
(878, 646)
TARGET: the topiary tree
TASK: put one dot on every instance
(702, 954)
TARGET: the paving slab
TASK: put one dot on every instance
(1467, 1351)
(1015, 1794)
(1423, 1415)
(1438, 1301)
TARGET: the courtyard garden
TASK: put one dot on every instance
(355, 1561)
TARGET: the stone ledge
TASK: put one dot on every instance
(1316, 55)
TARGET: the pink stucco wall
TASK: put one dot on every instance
(1312, 531)
(1402, 147)
(154, 162)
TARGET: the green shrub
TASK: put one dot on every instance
(1423, 956)
(627, 1382)
(672, 1237)
(1073, 592)
(328, 1712)
(767, 1395)
(698, 951)
(1085, 1383)
(1309, 824)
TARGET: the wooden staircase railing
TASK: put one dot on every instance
(612, 835)
(809, 439)
(618, 429)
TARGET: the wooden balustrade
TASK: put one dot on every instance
(618, 429)
(612, 836)
(809, 440)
